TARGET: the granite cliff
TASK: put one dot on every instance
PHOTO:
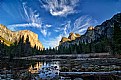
(12, 36)
(106, 29)
(71, 37)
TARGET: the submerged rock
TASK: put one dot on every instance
(49, 72)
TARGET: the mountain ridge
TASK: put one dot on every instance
(95, 33)
(13, 36)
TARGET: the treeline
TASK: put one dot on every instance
(80, 48)
(23, 48)
(49, 50)
(104, 44)
(116, 43)
(18, 49)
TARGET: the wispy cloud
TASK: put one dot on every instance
(64, 28)
(44, 32)
(82, 23)
(13, 27)
(59, 7)
(31, 15)
(32, 19)
(48, 25)
(52, 42)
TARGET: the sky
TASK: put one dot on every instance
(54, 19)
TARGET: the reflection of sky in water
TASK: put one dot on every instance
(46, 70)
(49, 70)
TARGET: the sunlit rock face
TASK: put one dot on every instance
(15, 36)
(71, 37)
(91, 28)
(64, 39)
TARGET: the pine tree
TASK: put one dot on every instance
(27, 48)
(20, 47)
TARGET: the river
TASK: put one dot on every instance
(90, 69)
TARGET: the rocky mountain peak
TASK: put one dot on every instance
(64, 39)
(72, 36)
(90, 28)
(13, 36)
(2, 26)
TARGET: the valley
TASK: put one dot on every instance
(95, 55)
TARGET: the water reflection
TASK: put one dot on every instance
(45, 69)
(35, 68)
(49, 70)
(14, 70)
(57, 70)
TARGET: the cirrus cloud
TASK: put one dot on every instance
(32, 19)
(80, 25)
(60, 7)
(52, 42)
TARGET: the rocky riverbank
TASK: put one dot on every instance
(66, 56)
(91, 64)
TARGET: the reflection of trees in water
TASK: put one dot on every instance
(34, 68)
(15, 64)
(17, 68)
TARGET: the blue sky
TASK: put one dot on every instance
(53, 19)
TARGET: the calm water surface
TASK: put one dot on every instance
(48, 70)
(27, 70)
